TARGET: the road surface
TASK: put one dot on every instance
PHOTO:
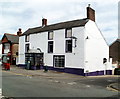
(14, 85)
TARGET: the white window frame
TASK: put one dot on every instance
(50, 44)
(27, 38)
(59, 61)
(68, 33)
(67, 45)
(50, 35)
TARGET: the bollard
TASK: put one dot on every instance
(45, 68)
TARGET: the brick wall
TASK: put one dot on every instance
(14, 49)
(115, 52)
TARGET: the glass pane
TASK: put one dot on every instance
(50, 47)
(69, 33)
(69, 46)
(59, 61)
(7, 46)
(50, 35)
(27, 38)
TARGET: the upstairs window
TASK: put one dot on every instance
(50, 47)
(27, 37)
(68, 33)
(104, 60)
(6, 46)
(26, 48)
(50, 35)
(69, 46)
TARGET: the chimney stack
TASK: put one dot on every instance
(19, 32)
(44, 22)
(90, 13)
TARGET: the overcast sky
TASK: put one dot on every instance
(26, 14)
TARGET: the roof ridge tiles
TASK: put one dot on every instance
(11, 34)
(57, 26)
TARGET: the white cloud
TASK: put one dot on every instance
(28, 13)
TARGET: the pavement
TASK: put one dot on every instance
(58, 75)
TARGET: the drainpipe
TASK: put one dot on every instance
(105, 68)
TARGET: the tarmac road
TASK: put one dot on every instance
(16, 85)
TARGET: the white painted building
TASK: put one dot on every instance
(0, 52)
(75, 46)
(0, 48)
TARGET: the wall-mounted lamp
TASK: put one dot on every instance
(87, 37)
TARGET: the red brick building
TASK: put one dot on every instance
(115, 52)
(10, 46)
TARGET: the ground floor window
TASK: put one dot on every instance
(59, 60)
(35, 59)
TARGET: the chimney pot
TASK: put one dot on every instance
(20, 29)
(90, 13)
(19, 32)
(88, 5)
(44, 22)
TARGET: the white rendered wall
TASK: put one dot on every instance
(76, 58)
(40, 40)
(0, 50)
(88, 54)
(21, 57)
(96, 48)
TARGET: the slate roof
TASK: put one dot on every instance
(12, 38)
(57, 26)
(118, 40)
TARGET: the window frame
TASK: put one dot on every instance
(104, 60)
(7, 46)
(49, 51)
(26, 50)
(27, 38)
(49, 35)
(66, 46)
(54, 64)
(66, 35)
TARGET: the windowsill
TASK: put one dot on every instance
(60, 67)
(68, 52)
(50, 39)
(50, 53)
(68, 37)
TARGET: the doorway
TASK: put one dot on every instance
(35, 59)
